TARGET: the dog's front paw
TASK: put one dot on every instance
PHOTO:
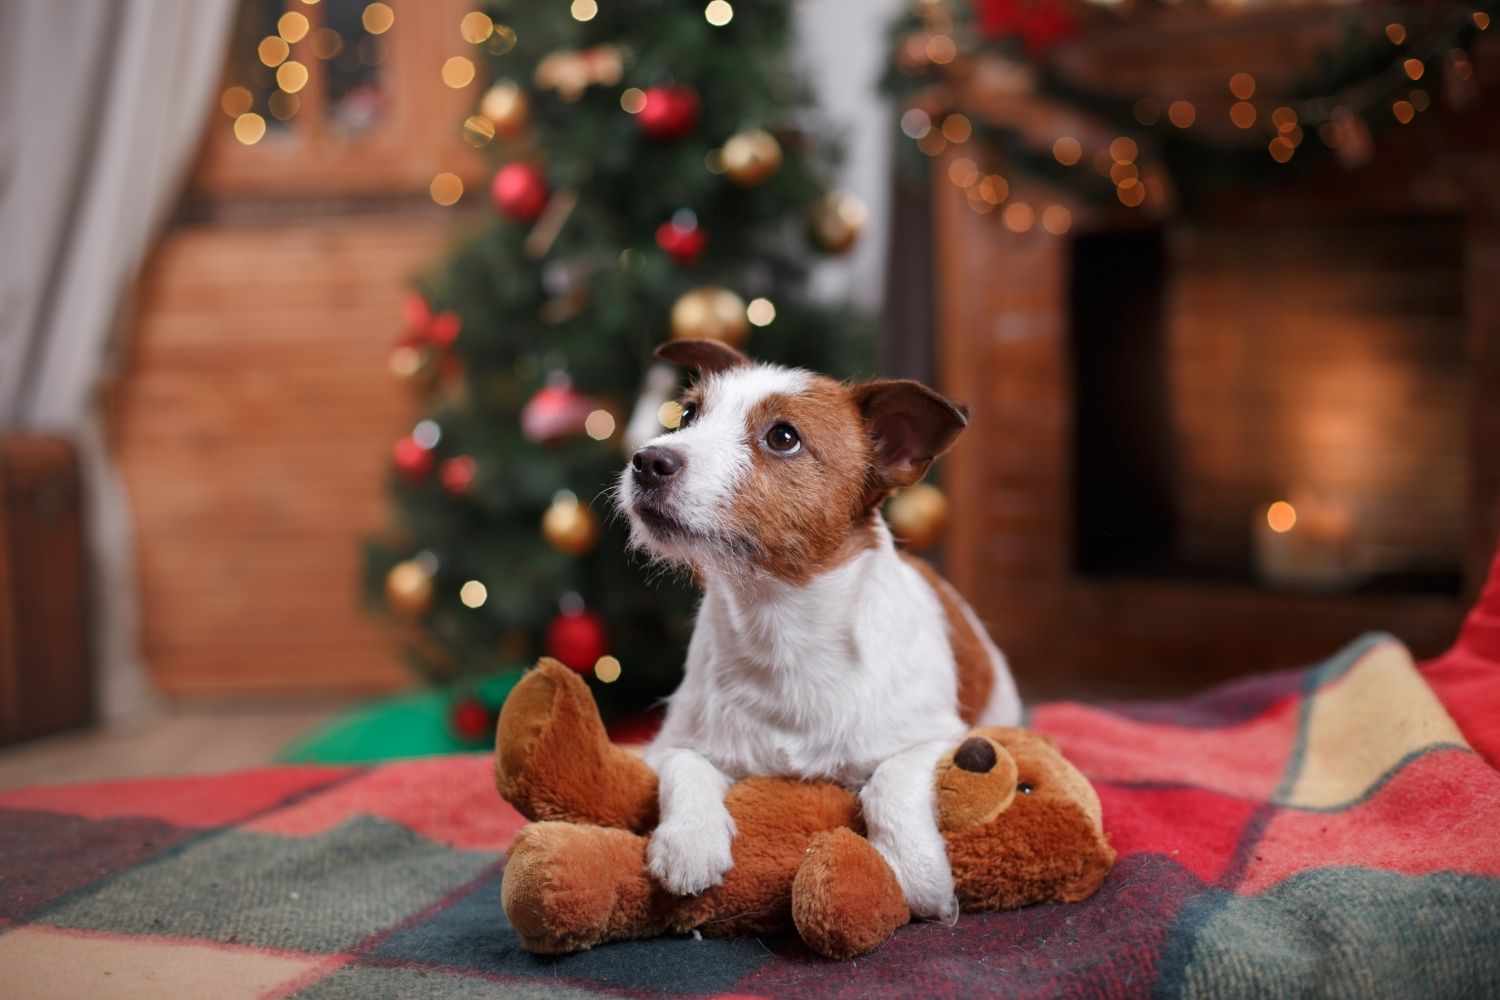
(925, 877)
(688, 856)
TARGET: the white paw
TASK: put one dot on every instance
(688, 856)
(926, 880)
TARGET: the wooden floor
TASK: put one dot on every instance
(198, 739)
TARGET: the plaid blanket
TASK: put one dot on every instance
(1330, 831)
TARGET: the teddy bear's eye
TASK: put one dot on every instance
(1025, 789)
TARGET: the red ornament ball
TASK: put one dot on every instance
(412, 461)
(577, 639)
(471, 721)
(519, 191)
(684, 243)
(669, 112)
(457, 474)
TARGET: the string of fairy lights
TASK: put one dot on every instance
(944, 53)
(286, 53)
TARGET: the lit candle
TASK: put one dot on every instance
(1305, 545)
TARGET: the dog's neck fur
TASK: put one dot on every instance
(778, 624)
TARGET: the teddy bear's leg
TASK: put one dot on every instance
(569, 887)
(554, 761)
(845, 899)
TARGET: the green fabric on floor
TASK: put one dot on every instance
(414, 724)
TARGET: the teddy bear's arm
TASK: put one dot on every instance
(554, 761)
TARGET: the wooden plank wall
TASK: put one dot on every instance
(254, 423)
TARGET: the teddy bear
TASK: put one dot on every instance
(1022, 826)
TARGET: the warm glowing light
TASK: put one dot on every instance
(476, 27)
(1123, 150)
(478, 130)
(473, 594)
(503, 40)
(932, 143)
(292, 26)
(1281, 149)
(1281, 516)
(1124, 173)
(1147, 111)
(1404, 112)
(963, 172)
(1395, 32)
(1182, 114)
(291, 76)
(1018, 217)
(718, 13)
(1242, 114)
(993, 189)
(249, 128)
(670, 414)
(283, 105)
(326, 43)
(273, 50)
(941, 49)
(633, 100)
(1419, 100)
(427, 433)
(1414, 68)
(1284, 118)
(377, 18)
(1242, 85)
(236, 101)
(1131, 193)
(583, 10)
(1056, 219)
(607, 668)
(1067, 150)
(458, 72)
(760, 312)
(446, 188)
(1481, 20)
(1294, 135)
(956, 128)
(599, 425)
(916, 123)
(405, 362)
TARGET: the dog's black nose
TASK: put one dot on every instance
(655, 465)
(975, 754)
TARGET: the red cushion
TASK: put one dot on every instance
(1467, 677)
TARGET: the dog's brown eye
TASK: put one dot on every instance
(689, 414)
(783, 438)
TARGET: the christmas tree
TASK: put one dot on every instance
(659, 173)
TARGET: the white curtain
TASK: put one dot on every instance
(101, 108)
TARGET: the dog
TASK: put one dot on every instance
(819, 650)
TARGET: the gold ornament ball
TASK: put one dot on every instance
(570, 527)
(837, 220)
(507, 108)
(751, 157)
(408, 589)
(710, 313)
(917, 515)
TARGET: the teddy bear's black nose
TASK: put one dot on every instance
(975, 754)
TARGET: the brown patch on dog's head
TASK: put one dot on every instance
(806, 509)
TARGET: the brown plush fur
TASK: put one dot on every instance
(579, 879)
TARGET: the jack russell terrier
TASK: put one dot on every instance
(819, 650)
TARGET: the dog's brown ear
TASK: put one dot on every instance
(708, 356)
(909, 426)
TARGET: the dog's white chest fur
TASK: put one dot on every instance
(823, 680)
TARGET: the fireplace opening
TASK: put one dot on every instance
(1278, 404)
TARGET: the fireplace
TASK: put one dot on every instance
(1231, 440)
(1281, 404)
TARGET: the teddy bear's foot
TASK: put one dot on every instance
(845, 899)
(569, 887)
(554, 761)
